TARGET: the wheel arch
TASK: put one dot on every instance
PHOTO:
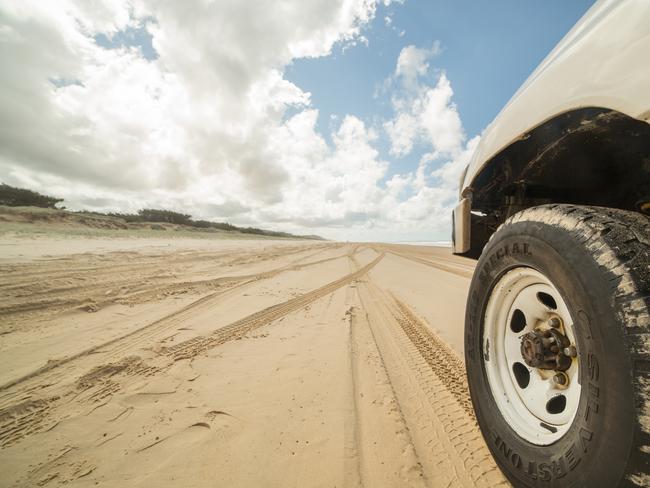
(586, 156)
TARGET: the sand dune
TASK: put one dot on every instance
(236, 363)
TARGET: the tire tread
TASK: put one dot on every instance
(619, 240)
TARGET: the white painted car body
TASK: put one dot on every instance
(604, 61)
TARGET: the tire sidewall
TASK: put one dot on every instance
(595, 450)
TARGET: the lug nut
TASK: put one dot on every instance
(555, 322)
(561, 379)
(570, 351)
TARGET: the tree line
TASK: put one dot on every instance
(21, 197)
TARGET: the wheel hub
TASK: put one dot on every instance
(530, 356)
(544, 349)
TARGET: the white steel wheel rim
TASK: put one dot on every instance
(527, 409)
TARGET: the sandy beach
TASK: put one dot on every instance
(256, 363)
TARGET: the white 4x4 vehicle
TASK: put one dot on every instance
(555, 202)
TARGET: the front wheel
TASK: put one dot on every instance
(557, 347)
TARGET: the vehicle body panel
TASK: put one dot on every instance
(604, 61)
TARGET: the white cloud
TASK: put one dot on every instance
(202, 111)
(203, 126)
(426, 116)
(413, 61)
(403, 131)
(423, 113)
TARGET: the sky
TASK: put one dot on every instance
(351, 119)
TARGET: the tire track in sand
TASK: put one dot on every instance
(431, 394)
(377, 416)
(18, 421)
(439, 356)
(444, 267)
(240, 328)
(143, 280)
(25, 418)
(169, 321)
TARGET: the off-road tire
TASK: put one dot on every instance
(599, 260)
